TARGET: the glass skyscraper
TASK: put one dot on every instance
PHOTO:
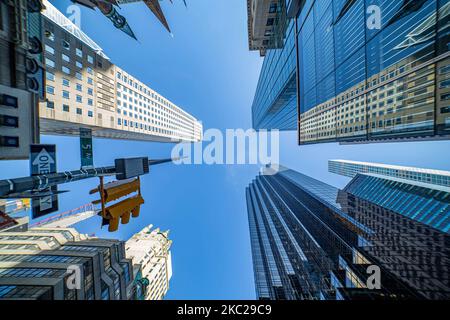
(275, 103)
(350, 169)
(367, 70)
(313, 241)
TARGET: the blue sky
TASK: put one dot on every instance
(206, 69)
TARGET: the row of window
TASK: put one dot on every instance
(66, 108)
(164, 104)
(66, 45)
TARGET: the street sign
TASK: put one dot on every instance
(86, 150)
(43, 161)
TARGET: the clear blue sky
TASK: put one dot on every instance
(205, 68)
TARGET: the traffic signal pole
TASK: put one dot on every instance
(30, 187)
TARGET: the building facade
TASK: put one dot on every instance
(14, 214)
(313, 241)
(422, 195)
(85, 89)
(266, 24)
(39, 265)
(369, 70)
(21, 77)
(350, 169)
(149, 250)
(275, 102)
(409, 235)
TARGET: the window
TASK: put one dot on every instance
(79, 87)
(270, 22)
(78, 76)
(90, 91)
(50, 105)
(65, 58)
(79, 99)
(79, 111)
(50, 76)
(49, 49)
(66, 108)
(66, 70)
(90, 114)
(66, 82)
(50, 89)
(79, 64)
(66, 94)
(49, 63)
(79, 53)
(90, 59)
(273, 8)
(49, 35)
(89, 70)
(444, 84)
(65, 44)
(90, 81)
(90, 102)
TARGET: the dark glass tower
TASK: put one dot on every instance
(363, 70)
(312, 241)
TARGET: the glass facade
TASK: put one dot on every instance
(275, 105)
(411, 244)
(296, 239)
(312, 241)
(367, 70)
(352, 168)
(425, 205)
(371, 70)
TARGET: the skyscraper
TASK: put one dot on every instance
(419, 194)
(365, 71)
(270, 33)
(275, 105)
(85, 89)
(313, 241)
(38, 265)
(350, 169)
(149, 250)
(21, 77)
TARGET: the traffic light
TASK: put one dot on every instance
(119, 212)
(33, 66)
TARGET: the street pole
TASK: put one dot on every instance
(25, 186)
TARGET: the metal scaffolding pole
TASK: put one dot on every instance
(25, 186)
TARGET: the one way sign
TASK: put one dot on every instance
(43, 161)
